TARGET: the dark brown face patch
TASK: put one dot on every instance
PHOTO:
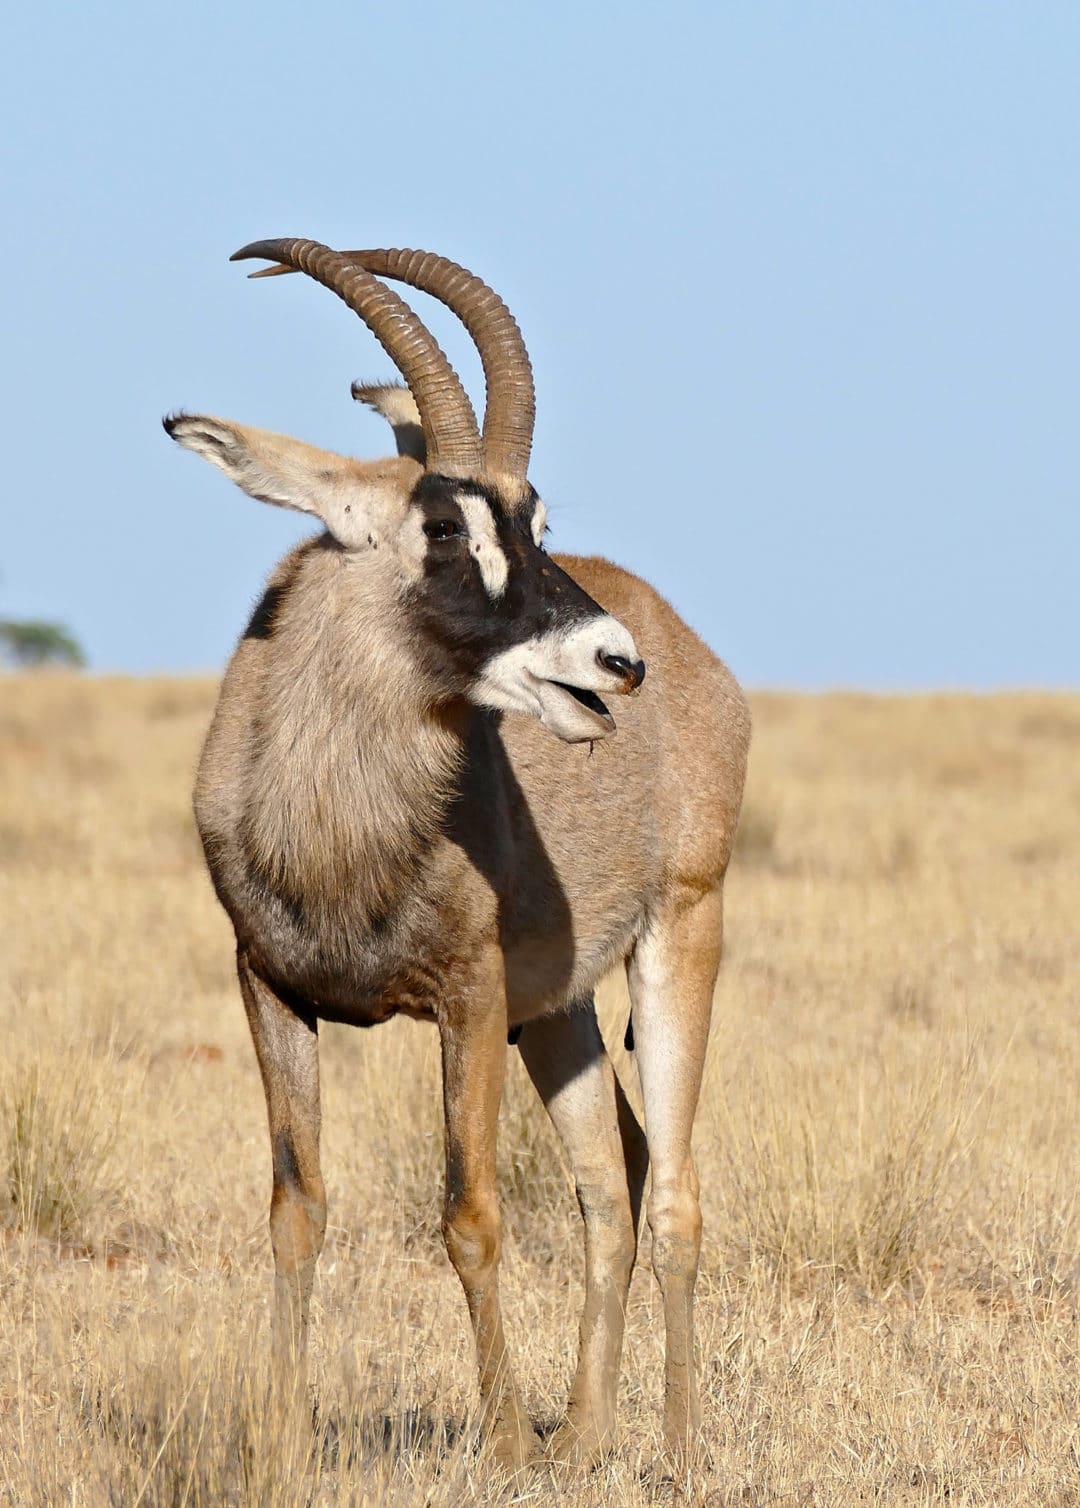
(454, 609)
(439, 509)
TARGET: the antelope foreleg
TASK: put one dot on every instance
(287, 1047)
(672, 975)
(473, 1035)
(568, 1063)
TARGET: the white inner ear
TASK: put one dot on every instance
(411, 547)
(277, 469)
(347, 507)
(356, 514)
(398, 407)
(539, 522)
(484, 543)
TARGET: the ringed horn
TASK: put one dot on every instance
(446, 415)
(511, 401)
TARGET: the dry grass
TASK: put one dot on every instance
(888, 1145)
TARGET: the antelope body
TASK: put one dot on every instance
(410, 801)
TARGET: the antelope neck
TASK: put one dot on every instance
(355, 769)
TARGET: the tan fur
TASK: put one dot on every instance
(493, 840)
(381, 849)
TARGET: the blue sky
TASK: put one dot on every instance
(801, 283)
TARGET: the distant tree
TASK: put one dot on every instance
(30, 644)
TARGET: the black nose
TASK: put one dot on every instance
(631, 671)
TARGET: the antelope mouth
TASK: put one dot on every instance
(590, 703)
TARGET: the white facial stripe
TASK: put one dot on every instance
(484, 543)
(539, 522)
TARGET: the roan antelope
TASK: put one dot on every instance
(392, 827)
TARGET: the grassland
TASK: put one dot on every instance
(888, 1143)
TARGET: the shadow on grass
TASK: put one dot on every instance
(350, 1437)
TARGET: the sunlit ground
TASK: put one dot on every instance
(888, 1145)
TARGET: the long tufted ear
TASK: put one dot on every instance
(354, 499)
(396, 404)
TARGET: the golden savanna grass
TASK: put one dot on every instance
(888, 1145)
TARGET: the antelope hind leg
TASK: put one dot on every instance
(287, 1047)
(672, 975)
(473, 1036)
(569, 1065)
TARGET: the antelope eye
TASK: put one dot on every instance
(442, 528)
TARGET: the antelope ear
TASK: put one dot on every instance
(396, 404)
(353, 499)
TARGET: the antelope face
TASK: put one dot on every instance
(501, 622)
(493, 618)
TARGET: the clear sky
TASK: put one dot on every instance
(801, 283)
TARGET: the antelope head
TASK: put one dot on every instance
(451, 522)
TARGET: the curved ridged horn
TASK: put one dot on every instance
(510, 410)
(511, 402)
(450, 431)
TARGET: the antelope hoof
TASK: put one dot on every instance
(512, 1442)
(580, 1441)
(683, 1443)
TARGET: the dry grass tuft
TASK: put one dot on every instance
(60, 1134)
(889, 1302)
(824, 1192)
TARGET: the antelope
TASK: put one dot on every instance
(411, 800)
